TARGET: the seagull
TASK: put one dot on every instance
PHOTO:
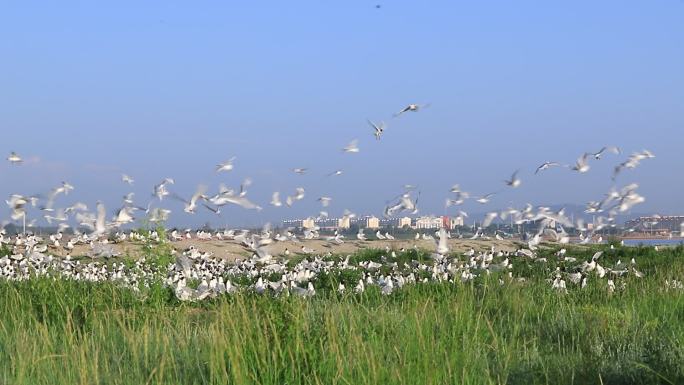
(514, 181)
(299, 195)
(489, 218)
(335, 173)
(582, 164)
(412, 108)
(633, 161)
(127, 179)
(226, 166)
(100, 226)
(13, 158)
(228, 196)
(484, 199)
(300, 171)
(352, 147)
(613, 149)
(546, 166)
(325, 201)
(243, 187)
(275, 200)
(378, 128)
(160, 190)
(191, 205)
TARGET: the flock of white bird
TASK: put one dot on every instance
(31, 255)
(213, 276)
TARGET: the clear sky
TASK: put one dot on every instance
(89, 90)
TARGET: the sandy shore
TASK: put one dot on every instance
(231, 250)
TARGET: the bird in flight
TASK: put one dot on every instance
(378, 129)
(546, 166)
(484, 199)
(127, 179)
(14, 158)
(613, 149)
(352, 147)
(582, 164)
(514, 181)
(226, 166)
(411, 108)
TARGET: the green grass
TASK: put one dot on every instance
(63, 332)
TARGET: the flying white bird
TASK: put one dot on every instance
(484, 199)
(191, 205)
(633, 161)
(514, 181)
(275, 200)
(100, 224)
(226, 166)
(13, 158)
(160, 190)
(127, 179)
(352, 147)
(546, 166)
(378, 129)
(582, 164)
(412, 108)
(613, 149)
(300, 171)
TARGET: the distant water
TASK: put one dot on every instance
(654, 242)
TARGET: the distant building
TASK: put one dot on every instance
(308, 223)
(428, 223)
(446, 222)
(656, 224)
(293, 223)
(456, 222)
(344, 223)
(372, 223)
(405, 221)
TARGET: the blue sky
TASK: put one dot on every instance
(88, 91)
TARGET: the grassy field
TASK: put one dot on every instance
(480, 332)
